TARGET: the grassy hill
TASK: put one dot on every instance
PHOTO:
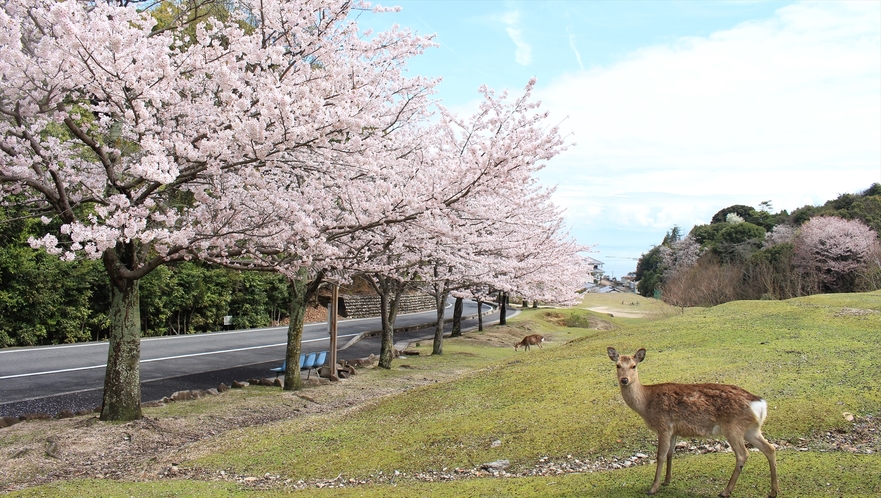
(546, 411)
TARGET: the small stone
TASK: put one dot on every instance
(238, 385)
(496, 466)
(222, 388)
(181, 396)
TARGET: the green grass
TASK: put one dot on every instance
(808, 359)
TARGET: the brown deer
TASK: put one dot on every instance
(530, 340)
(696, 410)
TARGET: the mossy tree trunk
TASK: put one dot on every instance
(301, 290)
(122, 379)
(389, 299)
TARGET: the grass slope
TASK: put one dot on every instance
(812, 358)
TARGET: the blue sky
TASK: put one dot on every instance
(676, 109)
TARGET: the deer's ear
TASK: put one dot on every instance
(640, 355)
(613, 355)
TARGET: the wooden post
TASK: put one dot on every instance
(332, 326)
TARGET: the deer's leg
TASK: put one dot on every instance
(663, 448)
(670, 460)
(755, 438)
(735, 439)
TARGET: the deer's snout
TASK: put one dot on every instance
(624, 381)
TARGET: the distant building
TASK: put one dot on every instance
(629, 280)
(595, 269)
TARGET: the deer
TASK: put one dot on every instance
(696, 410)
(530, 340)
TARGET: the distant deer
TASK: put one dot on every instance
(530, 340)
(696, 410)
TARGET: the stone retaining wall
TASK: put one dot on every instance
(368, 306)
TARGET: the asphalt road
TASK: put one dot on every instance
(49, 379)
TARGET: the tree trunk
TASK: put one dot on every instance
(295, 332)
(441, 301)
(457, 318)
(503, 301)
(480, 315)
(389, 299)
(122, 379)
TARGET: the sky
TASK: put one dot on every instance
(674, 109)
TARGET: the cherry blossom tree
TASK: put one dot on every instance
(836, 250)
(497, 221)
(148, 144)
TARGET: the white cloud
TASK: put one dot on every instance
(786, 109)
(523, 53)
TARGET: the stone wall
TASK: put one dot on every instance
(368, 306)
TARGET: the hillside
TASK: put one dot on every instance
(426, 427)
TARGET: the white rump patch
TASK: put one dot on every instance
(717, 430)
(760, 410)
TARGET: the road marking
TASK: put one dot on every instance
(162, 358)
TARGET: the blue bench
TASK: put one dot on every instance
(308, 361)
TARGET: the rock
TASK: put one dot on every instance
(64, 414)
(496, 443)
(254, 382)
(182, 396)
(496, 466)
(7, 421)
(278, 383)
(238, 385)
(222, 388)
(212, 392)
(265, 382)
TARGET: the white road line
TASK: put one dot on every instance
(162, 359)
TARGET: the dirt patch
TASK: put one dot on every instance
(620, 312)
(855, 312)
(501, 336)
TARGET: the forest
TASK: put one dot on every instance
(754, 253)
